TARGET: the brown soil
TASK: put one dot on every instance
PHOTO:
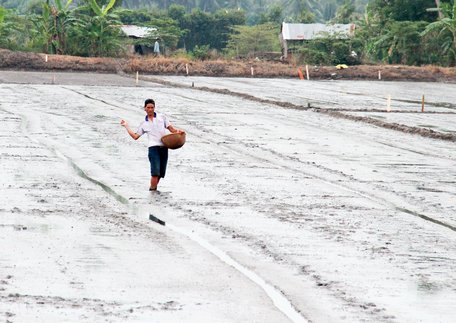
(233, 68)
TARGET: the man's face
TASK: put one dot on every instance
(149, 108)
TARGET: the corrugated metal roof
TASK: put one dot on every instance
(311, 31)
(136, 31)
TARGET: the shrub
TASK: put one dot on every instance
(201, 52)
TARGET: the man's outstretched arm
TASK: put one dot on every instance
(133, 134)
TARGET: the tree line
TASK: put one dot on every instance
(413, 32)
(323, 10)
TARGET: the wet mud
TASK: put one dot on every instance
(337, 113)
(350, 221)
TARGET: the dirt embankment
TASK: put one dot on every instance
(227, 68)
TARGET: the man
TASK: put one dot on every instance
(154, 126)
(156, 48)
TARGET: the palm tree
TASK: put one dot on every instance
(209, 5)
(297, 6)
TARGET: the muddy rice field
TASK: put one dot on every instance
(291, 201)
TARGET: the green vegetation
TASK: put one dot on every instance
(97, 33)
(445, 31)
(414, 32)
(249, 40)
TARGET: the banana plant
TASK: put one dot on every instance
(445, 29)
(62, 20)
(101, 11)
(3, 32)
(53, 25)
(44, 27)
(2, 15)
(61, 7)
(100, 34)
(15, 31)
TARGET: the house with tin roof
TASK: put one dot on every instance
(291, 33)
(138, 33)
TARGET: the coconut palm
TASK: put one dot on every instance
(209, 5)
(296, 7)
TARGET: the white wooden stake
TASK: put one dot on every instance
(307, 72)
(379, 75)
(388, 104)
(137, 77)
(46, 58)
(186, 68)
(422, 103)
(251, 70)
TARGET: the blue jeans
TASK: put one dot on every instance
(158, 158)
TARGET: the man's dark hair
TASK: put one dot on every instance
(149, 101)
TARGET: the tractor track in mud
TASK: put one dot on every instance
(330, 112)
(274, 293)
(326, 217)
(331, 173)
(428, 133)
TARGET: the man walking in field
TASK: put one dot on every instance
(154, 126)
